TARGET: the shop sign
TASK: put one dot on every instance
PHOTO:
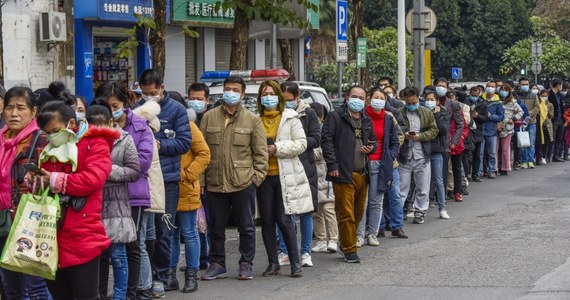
(202, 11)
(124, 10)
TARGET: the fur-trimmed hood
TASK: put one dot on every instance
(109, 134)
(149, 110)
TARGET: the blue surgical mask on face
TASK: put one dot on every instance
(473, 99)
(412, 107)
(197, 105)
(118, 114)
(503, 94)
(270, 101)
(440, 91)
(534, 92)
(231, 98)
(80, 116)
(490, 90)
(355, 104)
(524, 88)
(291, 104)
(430, 104)
(378, 104)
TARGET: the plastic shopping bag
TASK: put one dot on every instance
(523, 139)
(201, 221)
(31, 247)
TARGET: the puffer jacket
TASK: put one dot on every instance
(173, 117)
(193, 164)
(139, 130)
(290, 142)
(119, 225)
(513, 112)
(149, 111)
(496, 115)
(326, 193)
(310, 123)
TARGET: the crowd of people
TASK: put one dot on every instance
(141, 172)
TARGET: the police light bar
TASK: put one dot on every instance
(246, 75)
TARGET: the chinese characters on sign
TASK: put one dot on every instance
(196, 9)
(126, 9)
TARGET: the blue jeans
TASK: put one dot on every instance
(527, 154)
(373, 209)
(21, 286)
(437, 178)
(306, 221)
(186, 223)
(118, 254)
(396, 204)
(164, 228)
(491, 149)
(145, 279)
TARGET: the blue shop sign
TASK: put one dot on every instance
(124, 10)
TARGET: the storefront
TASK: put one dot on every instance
(100, 26)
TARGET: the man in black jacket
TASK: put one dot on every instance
(555, 97)
(347, 139)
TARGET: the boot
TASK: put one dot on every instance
(171, 281)
(190, 281)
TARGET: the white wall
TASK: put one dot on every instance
(24, 61)
(175, 71)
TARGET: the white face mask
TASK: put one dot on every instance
(151, 98)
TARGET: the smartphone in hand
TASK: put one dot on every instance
(33, 168)
(412, 133)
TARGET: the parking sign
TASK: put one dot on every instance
(341, 30)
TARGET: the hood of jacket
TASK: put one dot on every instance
(288, 114)
(149, 111)
(108, 134)
(302, 107)
(494, 98)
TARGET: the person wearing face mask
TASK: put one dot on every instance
(286, 190)
(496, 114)
(118, 98)
(347, 140)
(414, 158)
(392, 98)
(555, 98)
(173, 140)
(20, 142)
(545, 134)
(312, 130)
(438, 148)
(238, 165)
(512, 113)
(81, 175)
(530, 100)
(383, 169)
(479, 114)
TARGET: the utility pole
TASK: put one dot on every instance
(273, 47)
(419, 44)
(401, 44)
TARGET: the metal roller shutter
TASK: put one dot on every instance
(191, 76)
(268, 55)
(223, 48)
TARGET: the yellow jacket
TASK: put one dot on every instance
(193, 164)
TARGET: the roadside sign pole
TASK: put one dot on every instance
(340, 80)
(341, 39)
(419, 40)
(401, 44)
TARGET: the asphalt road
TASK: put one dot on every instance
(506, 235)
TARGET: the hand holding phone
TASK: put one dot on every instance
(33, 168)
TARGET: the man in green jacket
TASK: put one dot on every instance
(421, 129)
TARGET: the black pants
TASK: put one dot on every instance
(78, 282)
(134, 256)
(272, 211)
(476, 160)
(467, 161)
(456, 168)
(558, 139)
(515, 147)
(242, 204)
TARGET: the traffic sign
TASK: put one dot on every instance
(456, 73)
(430, 21)
(341, 31)
(536, 67)
(361, 50)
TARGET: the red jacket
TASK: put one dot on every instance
(82, 237)
(459, 148)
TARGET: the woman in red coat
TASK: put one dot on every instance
(82, 237)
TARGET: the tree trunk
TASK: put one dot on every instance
(357, 30)
(238, 57)
(287, 57)
(157, 37)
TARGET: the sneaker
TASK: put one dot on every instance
(306, 260)
(524, 165)
(215, 271)
(373, 241)
(147, 295)
(543, 161)
(476, 179)
(283, 259)
(410, 213)
(245, 271)
(340, 252)
(531, 165)
(332, 246)
(359, 242)
(352, 258)
(320, 246)
(458, 197)
(419, 219)
(381, 233)
(443, 215)
(158, 290)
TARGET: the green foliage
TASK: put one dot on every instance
(275, 11)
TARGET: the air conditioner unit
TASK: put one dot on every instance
(52, 27)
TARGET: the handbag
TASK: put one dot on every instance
(6, 214)
(523, 139)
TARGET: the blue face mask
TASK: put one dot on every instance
(198, 106)
(490, 90)
(412, 107)
(473, 99)
(231, 98)
(118, 114)
(378, 104)
(291, 104)
(503, 94)
(440, 91)
(430, 104)
(355, 104)
(270, 101)
(524, 88)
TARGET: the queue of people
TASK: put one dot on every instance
(141, 171)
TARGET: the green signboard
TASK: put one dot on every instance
(361, 49)
(203, 11)
(314, 16)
